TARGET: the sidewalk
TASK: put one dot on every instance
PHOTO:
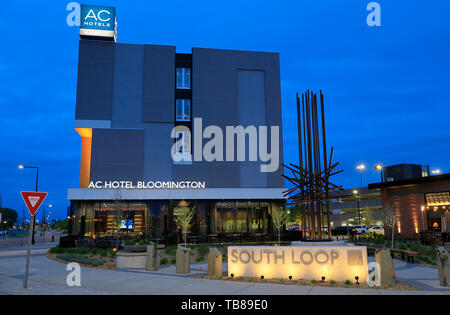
(49, 277)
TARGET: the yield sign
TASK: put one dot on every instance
(33, 200)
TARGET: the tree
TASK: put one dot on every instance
(279, 217)
(368, 216)
(9, 216)
(389, 219)
(183, 219)
(62, 225)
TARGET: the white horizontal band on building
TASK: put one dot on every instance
(169, 194)
(123, 184)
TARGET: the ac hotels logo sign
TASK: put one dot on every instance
(100, 18)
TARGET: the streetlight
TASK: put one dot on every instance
(436, 172)
(43, 223)
(37, 180)
(379, 167)
(360, 167)
(355, 192)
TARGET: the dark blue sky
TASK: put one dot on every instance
(386, 89)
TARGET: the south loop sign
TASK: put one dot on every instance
(337, 263)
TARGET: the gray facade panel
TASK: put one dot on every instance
(157, 158)
(117, 154)
(224, 94)
(95, 80)
(127, 98)
(252, 112)
(159, 84)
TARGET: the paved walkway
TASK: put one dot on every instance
(49, 277)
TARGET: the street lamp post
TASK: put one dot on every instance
(37, 181)
(43, 223)
(357, 204)
(379, 167)
(360, 168)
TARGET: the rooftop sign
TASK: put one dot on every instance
(98, 22)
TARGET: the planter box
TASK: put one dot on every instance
(131, 260)
(135, 248)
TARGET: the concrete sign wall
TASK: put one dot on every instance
(337, 263)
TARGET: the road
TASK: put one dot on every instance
(49, 277)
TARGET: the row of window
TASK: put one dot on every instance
(183, 109)
(183, 106)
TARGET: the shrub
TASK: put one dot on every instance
(332, 282)
(199, 259)
(313, 281)
(57, 250)
(347, 282)
(79, 259)
(202, 250)
(171, 250)
(173, 261)
(164, 261)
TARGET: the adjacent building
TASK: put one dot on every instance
(422, 204)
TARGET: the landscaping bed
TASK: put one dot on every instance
(427, 254)
(198, 254)
(347, 284)
(87, 257)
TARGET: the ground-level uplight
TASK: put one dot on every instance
(290, 277)
(357, 278)
(262, 277)
(323, 278)
(232, 275)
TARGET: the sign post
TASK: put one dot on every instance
(33, 201)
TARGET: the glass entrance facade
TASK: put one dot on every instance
(154, 219)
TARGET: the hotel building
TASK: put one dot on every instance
(129, 99)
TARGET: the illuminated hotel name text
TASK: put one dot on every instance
(124, 184)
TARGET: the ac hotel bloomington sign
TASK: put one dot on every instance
(337, 263)
(125, 184)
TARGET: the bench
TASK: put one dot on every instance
(405, 253)
(409, 255)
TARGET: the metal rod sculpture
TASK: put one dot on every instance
(312, 189)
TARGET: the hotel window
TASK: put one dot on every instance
(183, 110)
(183, 146)
(183, 78)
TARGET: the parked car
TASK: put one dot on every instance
(361, 229)
(293, 227)
(376, 229)
(343, 230)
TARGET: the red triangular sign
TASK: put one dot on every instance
(33, 200)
